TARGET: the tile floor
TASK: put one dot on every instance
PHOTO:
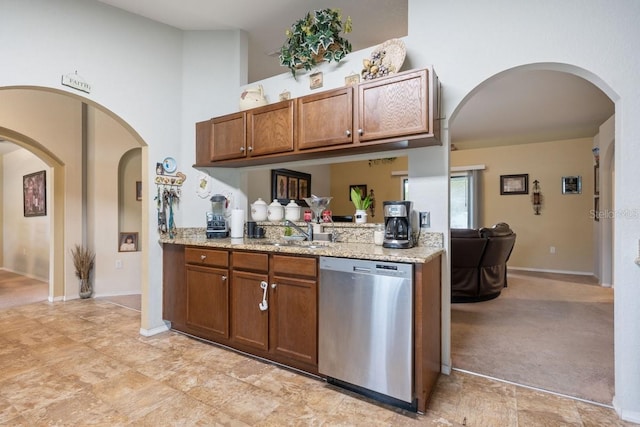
(83, 362)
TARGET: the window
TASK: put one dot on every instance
(464, 199)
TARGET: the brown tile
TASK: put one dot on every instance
(544, 409)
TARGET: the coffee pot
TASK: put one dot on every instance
(398, 232)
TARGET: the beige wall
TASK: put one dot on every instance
(566, 220)
(26, 239)
(375, 174)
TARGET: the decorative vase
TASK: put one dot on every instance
(252, 97)
(85, 289)
(361, 216)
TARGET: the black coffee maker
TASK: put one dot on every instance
(398, 233)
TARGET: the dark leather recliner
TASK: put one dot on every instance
(479, 262)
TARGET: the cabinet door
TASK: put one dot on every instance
(294, 326)
(249, 324)
(393, 107)
(208, 299)
(228, 137)
(270, 129)
(325, 119)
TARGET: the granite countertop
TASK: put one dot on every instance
(415, 255)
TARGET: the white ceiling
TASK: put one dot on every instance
(519, 106)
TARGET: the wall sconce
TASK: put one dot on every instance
(372, 206)
(536, 197)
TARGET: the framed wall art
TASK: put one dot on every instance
(34, 190)
(361, 187)
(571, 185)
(289, 185)
(514, 184)
(596, 180)
(138, 190)
(128, 242)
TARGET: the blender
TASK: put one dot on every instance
(217, 226)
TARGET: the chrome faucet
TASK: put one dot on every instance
(308, 234)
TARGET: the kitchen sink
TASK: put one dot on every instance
(297, 243)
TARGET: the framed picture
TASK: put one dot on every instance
(514, 184)
(361, 187)
(596, 208)
(315, 80)
(352, 79)
(571, 185)
(128, 242)
(138, 190)
(293, 189)
(34, 190)
(596, 180)
(289, 185)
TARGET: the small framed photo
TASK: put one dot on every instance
(596, 208)
(315, 80)
(571, 185)
(514, 184)
(138, 190)
(596, 180)
(352, 79)
(128, 242)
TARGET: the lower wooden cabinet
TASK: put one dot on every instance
(249, 324)
(294, 313)
(218, 295)
(208, 299)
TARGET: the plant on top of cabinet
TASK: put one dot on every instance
(315, 38)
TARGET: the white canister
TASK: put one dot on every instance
(275, 211)
(259, 210)
(292, 211)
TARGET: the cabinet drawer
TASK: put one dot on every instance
(295, 266)
(210, 257)
(250, 261)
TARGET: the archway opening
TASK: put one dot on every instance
(545, 267)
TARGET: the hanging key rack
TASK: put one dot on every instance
(168, 193)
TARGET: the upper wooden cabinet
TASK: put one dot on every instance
(325, 119)
(399, 111)
(257, 132)
(270, 129)
(395, 107)
(227, 137)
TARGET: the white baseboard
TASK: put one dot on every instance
(631, 416)
(543, 270)
(156, 330)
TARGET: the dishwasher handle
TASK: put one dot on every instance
(358, 269)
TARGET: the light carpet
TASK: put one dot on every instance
(544, 331)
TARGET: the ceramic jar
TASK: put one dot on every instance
(292, 211)
(252, 97)
(275, 211)
(259, 210)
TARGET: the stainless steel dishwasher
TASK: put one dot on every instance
(366, 328)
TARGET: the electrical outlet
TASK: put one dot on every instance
(118, 264)
(425, 219)
(552, 249)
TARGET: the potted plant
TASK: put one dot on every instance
(315, 38)
(361, 203)
(83, 260)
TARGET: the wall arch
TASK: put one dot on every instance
(607, 158)
(27, 130)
